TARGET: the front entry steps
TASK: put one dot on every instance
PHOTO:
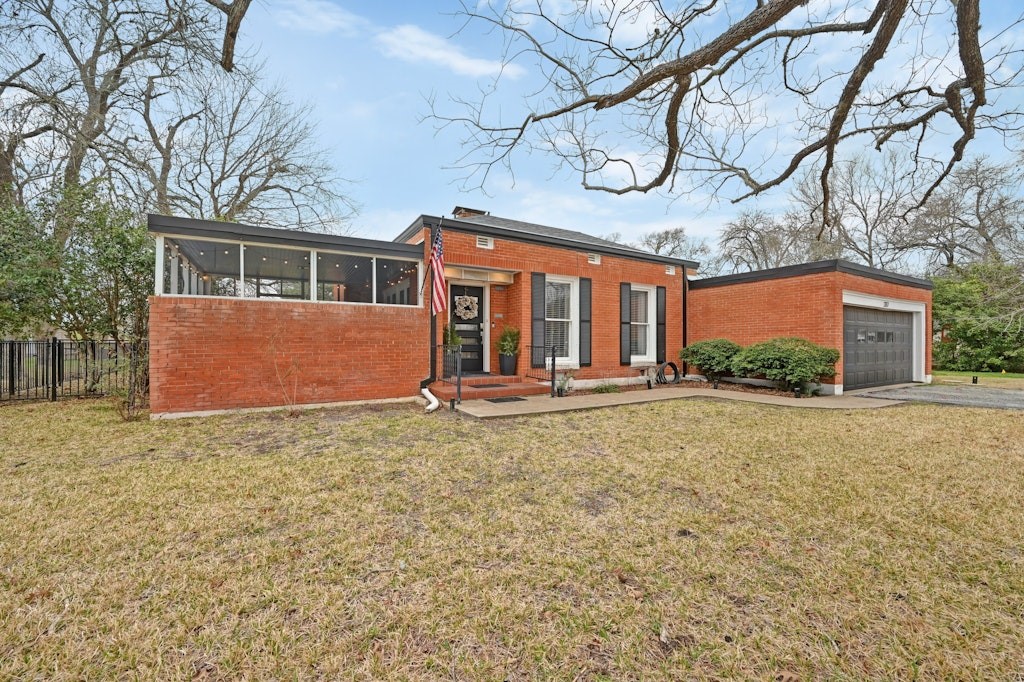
(481, 387)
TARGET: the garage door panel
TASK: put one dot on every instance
(877, 347)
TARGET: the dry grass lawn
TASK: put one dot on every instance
(986, 379)
(687, 539)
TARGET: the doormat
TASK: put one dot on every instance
(509, 399)
(486, 385)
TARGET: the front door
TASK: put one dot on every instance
(467, 316)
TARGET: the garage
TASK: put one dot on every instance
(878, 347)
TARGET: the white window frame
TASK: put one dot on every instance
(652, 323)
(572, 360)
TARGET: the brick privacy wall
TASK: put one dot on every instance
(514, 303)
(808, 306)
(220, 353)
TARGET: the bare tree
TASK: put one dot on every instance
(133, 94)
(757, 240)
(869, 202)
(637, 96)
(977, 216)
(674, 242)
(251, 156)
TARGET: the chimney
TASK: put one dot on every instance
(463, 212)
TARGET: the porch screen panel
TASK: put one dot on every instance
(344, 278)
(201, 268)
(273, 272)
(397, 281)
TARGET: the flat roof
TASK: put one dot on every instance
(213, 229)
(811, 269)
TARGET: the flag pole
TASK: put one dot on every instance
(430, 264)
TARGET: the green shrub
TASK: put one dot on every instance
(606, 388)
(714, 357)
(789, 361)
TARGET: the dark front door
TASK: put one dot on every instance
(467, 316)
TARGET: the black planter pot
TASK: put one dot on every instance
(507, 364)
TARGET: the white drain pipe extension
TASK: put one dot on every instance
(432, 403)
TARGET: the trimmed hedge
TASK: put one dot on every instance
(714, 357)
(790, 361)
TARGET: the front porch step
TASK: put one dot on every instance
(445, 392)
(476, 379)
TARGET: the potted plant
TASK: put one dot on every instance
(508, 350)
(563, 386)
(449, 337)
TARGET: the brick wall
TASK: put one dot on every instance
(514, 301)
(808, 306)
(225, 353)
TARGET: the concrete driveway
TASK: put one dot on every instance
(968, 396)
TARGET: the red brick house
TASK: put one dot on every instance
(249, 317)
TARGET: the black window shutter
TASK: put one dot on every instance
(585, 316)
(537, 316)
(661, 326)
(624, 293)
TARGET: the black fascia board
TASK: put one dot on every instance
(197, 229)
(811, 269)
(531, 238)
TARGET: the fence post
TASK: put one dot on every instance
(458, 374)
(54, 345)
(553, 349)
(12, 347)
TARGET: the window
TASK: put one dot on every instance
(641, 324)
(273, 272)
(341, 277)
(397, 281)
(201, 268)
(561, 313)
(197, 267)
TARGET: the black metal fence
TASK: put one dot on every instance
(57, 368)
(542, 365)
(451, 368)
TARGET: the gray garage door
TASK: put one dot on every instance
(878, 347)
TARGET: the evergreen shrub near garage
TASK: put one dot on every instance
(790, 361)
(714, 357)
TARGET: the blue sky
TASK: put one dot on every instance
(367, 69)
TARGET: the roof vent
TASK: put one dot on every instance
(594, 258)
(670, 269)
(484, 242)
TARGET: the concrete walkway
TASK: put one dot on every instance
(967, 396)
(537, 404)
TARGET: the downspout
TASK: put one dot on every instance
(685, 291)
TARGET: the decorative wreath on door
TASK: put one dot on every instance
(466, 307)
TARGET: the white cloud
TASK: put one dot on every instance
(318, 16)
(412, 44)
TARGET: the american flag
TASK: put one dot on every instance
(438, 298)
